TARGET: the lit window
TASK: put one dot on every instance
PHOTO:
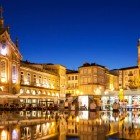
(22, 78)
(34, 79)
(4, 135)
(28, 78)
(40, 80)
(3, 71)
(3, 49)
(14, 74)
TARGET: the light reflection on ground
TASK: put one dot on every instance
(120, 121)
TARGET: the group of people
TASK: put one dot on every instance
(93, 106)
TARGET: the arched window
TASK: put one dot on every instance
(3, 71)
(34, 79)
(22, 78)
(14, 74)
(28, 78)
(3, 49)
(4, 135)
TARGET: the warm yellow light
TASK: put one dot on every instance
(106, 92)
(111, 87)
(77, 119)
(4, 135)
(21, 91)
(3, 80)
(97, 91)
(1, 88)
(77, 91)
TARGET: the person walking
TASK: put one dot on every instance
(93, 107)
(66, 104)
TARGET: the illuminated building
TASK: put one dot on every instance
(37, 83)
(91, 79)
(29, 82)
(129, 77)
(72, 82)
(32, 82)
(10, 58)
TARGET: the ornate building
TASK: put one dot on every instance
(10, 58)
(35, 83)
(29, 82)
(91, 79)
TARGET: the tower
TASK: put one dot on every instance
(138, 53)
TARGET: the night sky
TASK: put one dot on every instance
(72, 32)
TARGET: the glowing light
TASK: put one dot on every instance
(26, 82)
(4, 135)
(57, 94)
(4, 51)
(21, 91)
(77, 119)
(106, 92)
(14, 135)
(1, 88)
(3, 80)
(97, 91)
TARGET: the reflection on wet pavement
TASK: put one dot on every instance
(38, 125)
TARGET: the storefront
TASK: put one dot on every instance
(84, 101)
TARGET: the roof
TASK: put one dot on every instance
(28, 65)
(127, 68)
(92, 64)
(71, 71)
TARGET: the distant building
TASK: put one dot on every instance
(91, 79)
(129, 77)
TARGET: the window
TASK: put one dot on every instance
(34, 79)
(69, 78)
(40, 80)
(14, 74)
(95, 79)
(22, 78)
(3, 71)
(95, 70)
(75, 77)
(3, 49)
(28, 78)
(72, 77)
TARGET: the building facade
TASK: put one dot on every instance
(35, 83)
(30, 83)
(91, 79)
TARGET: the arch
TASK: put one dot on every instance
(14, 135)
(4, 135)
(3, 71)
(14, 73)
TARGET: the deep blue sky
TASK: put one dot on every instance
(71, 32)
